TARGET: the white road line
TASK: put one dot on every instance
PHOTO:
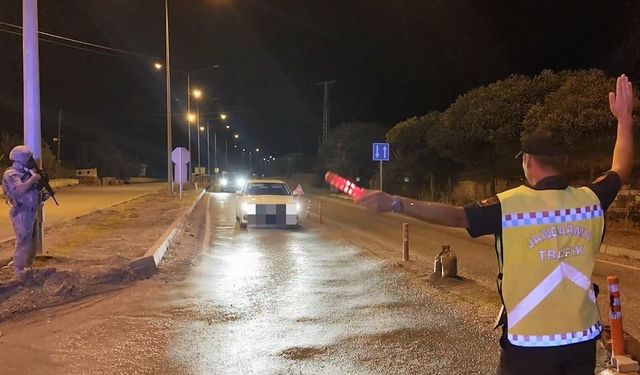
(618, 265)
(207, 231)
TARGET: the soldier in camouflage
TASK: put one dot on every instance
(23, 193)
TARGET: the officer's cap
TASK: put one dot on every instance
(21, 154)
(544, 143)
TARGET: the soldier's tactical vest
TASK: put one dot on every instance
(550, 240)
(27, 200)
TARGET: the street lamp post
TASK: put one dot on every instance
(189, 125)
(208, 152)
(200, 129)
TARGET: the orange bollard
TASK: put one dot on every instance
(615, 317)
(320, 211)
(405, 242)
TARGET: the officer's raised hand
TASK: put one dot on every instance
(621, 102)
(376, 200)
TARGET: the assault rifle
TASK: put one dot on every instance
(43, 183)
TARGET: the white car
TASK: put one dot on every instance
(267, 203)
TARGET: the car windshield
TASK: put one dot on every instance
(267, 188)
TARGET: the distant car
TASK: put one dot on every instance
(267, 203)
(231, 182)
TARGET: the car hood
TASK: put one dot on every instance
(269, 199)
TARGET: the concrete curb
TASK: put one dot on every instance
(146, 265)
(617, 251)
(7, 239)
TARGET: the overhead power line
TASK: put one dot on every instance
(97, 48)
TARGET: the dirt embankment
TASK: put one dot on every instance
(90, 254)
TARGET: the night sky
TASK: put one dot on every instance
(391, 59)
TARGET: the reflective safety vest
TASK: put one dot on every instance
(550, 240)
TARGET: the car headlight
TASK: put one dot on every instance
(298, 207)
(240, 182)
(224, 182)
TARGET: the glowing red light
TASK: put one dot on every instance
(342, 184)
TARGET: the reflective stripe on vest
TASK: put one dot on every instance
(550, 240)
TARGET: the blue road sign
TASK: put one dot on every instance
(381, 152)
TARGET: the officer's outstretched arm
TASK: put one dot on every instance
(431, 212)
(621, 104)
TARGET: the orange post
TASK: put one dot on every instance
(405, 242)
(320, 211)
(615, 317)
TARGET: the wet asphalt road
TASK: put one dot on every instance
(255, 302)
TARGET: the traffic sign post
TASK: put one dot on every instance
(380, 153)
(180, 157)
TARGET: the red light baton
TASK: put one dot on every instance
(344, 185)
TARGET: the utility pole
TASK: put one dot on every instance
(325, 108)
(215, 149)
(208, 152)
(31, 98)
(59, 139)
(189, 125)
(198, 130)
(168, 79)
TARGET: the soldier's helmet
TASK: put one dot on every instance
(21, 154)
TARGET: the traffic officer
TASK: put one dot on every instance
(21, 190)
(547, 239)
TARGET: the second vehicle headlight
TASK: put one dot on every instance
(224, 182)
(240, 182)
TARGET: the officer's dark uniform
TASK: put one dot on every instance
(485, 217)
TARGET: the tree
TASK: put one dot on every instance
(416, 155)
(483, 126)
(7, 142)
(347, 150)
(579, 112)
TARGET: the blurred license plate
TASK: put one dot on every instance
(272, 214)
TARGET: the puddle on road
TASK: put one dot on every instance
(298, 354)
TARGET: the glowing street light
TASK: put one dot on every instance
(223, 116)
(197, 93)
(202, 128)
(236, 136)
(257, 150)
(158, 66)
(191, 117)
